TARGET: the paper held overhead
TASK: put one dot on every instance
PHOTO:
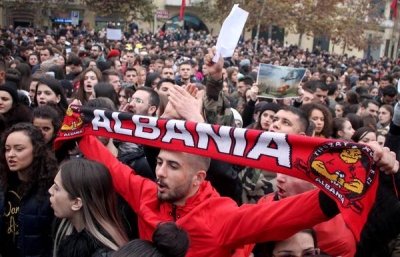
(230, 32)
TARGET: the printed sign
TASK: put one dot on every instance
(279, 81)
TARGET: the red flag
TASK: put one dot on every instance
(182, 11)
(393, 6)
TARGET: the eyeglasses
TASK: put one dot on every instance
(136, 100)
(310, 252)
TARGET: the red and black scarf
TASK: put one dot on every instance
(343, 170)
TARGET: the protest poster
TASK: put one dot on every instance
(114, 34)
(278, 81)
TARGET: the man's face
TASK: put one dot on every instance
(44, 55)
(131, 58)
(95, 52)
(164, 89)
(383, 83)
(372, 109)
(139, 104)
(241, 88)
(174, 177)
(186, 71)
(74, 69)
(131, 77)
(62, 40)
(167, 73)
(117, 65)
(308, 97)
(289, 186)
(320, 96)
(115, 82)
(286, 122)
(158, 67)
(386, 99)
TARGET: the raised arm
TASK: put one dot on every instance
(132, 187)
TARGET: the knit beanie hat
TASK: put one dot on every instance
(11, 88)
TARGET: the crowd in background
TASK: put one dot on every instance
(43, 71)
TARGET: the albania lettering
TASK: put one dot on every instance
(233, 142)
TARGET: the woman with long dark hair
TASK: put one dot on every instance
(83, 197)
(26, 173)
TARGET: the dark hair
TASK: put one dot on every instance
(247, 80)
(73, 59)
(154, 99)
(309, 108)
(58, 90)
(266, 249)
(389, 91)
(59, 72)
(49, 49)
(81, 94)
(102, 102)
(43, 166)
(352, 97)
(105, 89)
(338, 125)
(51, 112)
(165, 80)
(26, 73)
(150, 78)
(91, 181)
(355, 120)
(303, 118)
(267, 107)
(168, 240)
(361, 133)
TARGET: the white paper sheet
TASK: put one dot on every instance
(230, 32)
(114, 34)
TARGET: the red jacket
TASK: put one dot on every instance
(333, 236)
(216, 225)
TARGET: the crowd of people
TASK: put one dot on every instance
(102, 197)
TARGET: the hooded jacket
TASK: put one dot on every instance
(216, 225)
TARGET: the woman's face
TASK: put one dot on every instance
(225, 88)
(89, 81)
(381, 140)
(234, 77)
(204, 70)
(18, 152)
(46, 127)
(122, 98)
(369, 137)
(347, 131)
(384, 116)
(374, 92)
(92, 64)
(60, 200)
(266, 119)
(143, 75)
(32, 90)
(45, 94)
(339, 111)
(33, 60)
(61, 61)
(318, 118)
(6, 101)
(300, 244)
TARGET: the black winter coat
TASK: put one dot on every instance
(35, 221)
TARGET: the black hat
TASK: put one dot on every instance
(11, 88)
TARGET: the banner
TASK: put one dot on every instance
(343, 170)
(278, 81)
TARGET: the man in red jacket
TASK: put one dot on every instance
(216, 225)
